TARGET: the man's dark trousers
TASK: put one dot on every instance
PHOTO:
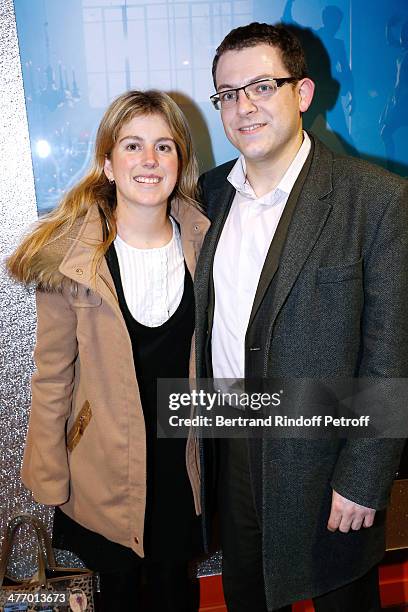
(241, 541)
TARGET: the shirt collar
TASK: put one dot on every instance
(237, 176)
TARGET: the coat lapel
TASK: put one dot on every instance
(310, 212)
(219, 199)
(77, 263)
(275, 249)
(193, 227)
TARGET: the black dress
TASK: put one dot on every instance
(172, 529)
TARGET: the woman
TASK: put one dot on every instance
(113, 266)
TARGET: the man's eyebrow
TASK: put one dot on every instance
(140, 139)
(246, 82)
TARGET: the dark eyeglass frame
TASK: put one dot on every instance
(216, 98)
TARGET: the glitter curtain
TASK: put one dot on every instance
(17, 320)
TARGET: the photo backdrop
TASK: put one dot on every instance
(77, 56)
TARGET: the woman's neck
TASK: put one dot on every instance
(144, 227)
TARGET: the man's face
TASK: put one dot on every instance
(269, 129)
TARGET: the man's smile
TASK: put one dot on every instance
(248, 129)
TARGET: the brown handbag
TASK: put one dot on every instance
(52, 588)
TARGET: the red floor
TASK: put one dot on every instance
(393, 583)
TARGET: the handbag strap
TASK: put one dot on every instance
(43, 541)
(43, 534)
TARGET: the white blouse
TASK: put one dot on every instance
(152, 279)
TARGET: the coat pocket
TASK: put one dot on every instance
(339, 274)
(80, 424)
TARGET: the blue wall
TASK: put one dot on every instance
(78, 55)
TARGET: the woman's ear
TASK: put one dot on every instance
(107, 168)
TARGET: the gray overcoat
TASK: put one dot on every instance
(331, 302)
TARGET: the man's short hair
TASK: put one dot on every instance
(293, 56)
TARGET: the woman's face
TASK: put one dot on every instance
(143, 163)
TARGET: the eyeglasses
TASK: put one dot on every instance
(257, 90)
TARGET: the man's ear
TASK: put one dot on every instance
(107, 168)
(306, 91)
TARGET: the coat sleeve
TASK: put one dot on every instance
(366, 467)
(45, 469)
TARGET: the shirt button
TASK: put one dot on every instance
(196, 228)
(79, 271)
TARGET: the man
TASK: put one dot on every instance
(304, 275)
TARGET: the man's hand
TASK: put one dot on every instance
(346, 514)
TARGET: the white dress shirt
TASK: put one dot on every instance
(239, 259)
(152, 279)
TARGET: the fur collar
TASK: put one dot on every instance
(44, 270)
(67, 259)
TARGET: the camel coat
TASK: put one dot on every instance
(86, 447)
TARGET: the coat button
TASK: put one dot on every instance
(136, 540)
(79, 271)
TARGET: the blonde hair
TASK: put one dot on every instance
(95, 187)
